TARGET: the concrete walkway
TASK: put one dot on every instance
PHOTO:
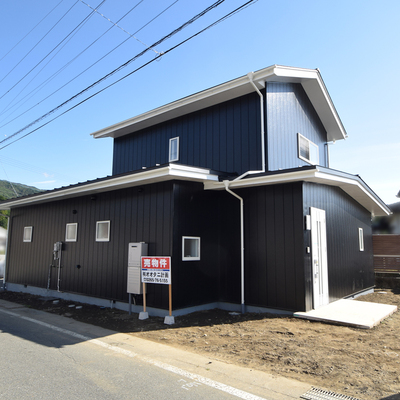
(242, 382)
(359, 314)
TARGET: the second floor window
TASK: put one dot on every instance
(174, 149)
(308, 151)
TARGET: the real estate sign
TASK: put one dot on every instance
(156, 270)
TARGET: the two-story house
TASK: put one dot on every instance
(233, 183)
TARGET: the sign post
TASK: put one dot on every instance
(157, 270)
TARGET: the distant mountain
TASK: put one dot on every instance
(7, 192)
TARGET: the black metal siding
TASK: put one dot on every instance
(289, 112)
(224, 137)
(349, 269)
(137, 215)
(214, 217)
(274, 268)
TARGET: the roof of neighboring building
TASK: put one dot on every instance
(310, 79)
(395, 207)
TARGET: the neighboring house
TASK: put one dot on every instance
(388, 224)
(233, 183)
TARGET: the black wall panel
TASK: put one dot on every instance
(224, 137)
(274, 271)
(136, 215)
(350, 270)
(214, 217)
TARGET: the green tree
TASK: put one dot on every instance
(4, 214)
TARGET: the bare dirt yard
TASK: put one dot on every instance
(354, 362)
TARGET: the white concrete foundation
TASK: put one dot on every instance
(169, 320)
(143, 315)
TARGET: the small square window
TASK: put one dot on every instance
(190, 248)
(361, 238)
(308, 151)
(71, 232)
(28, 233)
(174, 149)
(102, 231)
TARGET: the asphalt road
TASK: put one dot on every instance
(46, 356)
(39, 363)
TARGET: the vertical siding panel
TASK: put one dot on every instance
(271, 245)
(103, 264)
(223, 139)
(212, 138)
(244, 128)
(237, 139)
(289, 111)
(289, 244)
(349, 269)
(230, 143)
(217, 156)
(279, 247)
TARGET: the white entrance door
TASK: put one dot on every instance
(319, 258)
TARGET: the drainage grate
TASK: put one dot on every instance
(320, 394)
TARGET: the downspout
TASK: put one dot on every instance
(262, 131)
(226, 183)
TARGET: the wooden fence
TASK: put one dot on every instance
(386, 253)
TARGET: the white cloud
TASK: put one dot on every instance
(43, 182)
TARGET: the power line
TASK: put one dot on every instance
(230, 14)
(8, 180)
(82, 22)
(9, 106)
(32, 168)
(92, 65)
(116, 24)
(5, 55)
(196, 17)
(30, 51)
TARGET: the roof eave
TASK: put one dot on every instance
(162, 174)
(310, 79)
(351, 184)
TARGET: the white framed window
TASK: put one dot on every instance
(102, 231)
(174, 149)
(308, 151)
(28, 230)
(71, 232)
(190, 248)
(361, 238)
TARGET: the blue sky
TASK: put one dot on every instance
(355, 44)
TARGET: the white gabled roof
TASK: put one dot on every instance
(310, 79)
(353, 185)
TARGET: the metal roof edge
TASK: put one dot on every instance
(353, 185)
(310, 79)
(155, 175)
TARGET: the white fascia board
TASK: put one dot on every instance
(171, 172)
(354, 187)
(215, 95)
(309, 78)
(318, 94)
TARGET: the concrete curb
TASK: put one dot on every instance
(249, 380)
